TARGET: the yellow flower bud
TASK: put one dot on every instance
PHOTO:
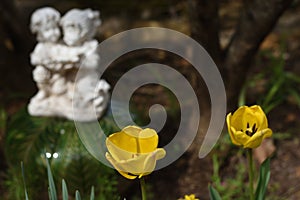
(133, 151)
(248, 126)
(189, 197)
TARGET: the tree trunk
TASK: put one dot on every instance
(15, 73)
(15, 46)
(15, 27)
(256, 22)
(204, 22)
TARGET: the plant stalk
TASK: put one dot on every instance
(251, 173)
(143, 188)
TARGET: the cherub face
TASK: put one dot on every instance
(49, 33)
(72, 33)
(79, 26)
(45, 23)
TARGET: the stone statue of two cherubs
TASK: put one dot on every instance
(57, 61)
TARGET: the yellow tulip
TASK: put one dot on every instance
(248, 126)
(189, 197)
(133, 151)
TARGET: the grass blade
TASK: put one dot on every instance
(296, 96)
(64, 190)
(273, 91)
(52, 190)
(264, 177)
(3, 121)
(77, 195)
(92, 193)
(24, 182)
(213, 193)
(293, 77)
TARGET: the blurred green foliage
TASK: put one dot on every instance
(28, 139)
(230, 187)
(3, 120)
(276, 84)
(52, 188)
(271, 86)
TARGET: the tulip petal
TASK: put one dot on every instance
(139, 165)
(137, 132)
(132, 130)
(249, 119)
(135, 165)
(241, 137)
(261, 118)
(123, 141)
(147, 141)
(116, 152)
(127, 175)
(237, 118)
(119, 167)
(231, 130)
(232, 134)
(150, 161)
(245, 117)
(257, 138)
(228, 121)
(135, 140)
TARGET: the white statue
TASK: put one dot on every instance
(45, 23)
(79, 26)
(58, 60)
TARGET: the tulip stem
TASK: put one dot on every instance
(143, 188)
(251, 172)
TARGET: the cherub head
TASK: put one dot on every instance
(45, 23)
(79, 26)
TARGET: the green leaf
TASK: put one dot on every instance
(273, 91)
(293, 77)
(296, 95)
(242, 96)
(64, 190)
(24, 182)
(77, 195)
(3, 120)
(92, 193)
(264, 177)
(52, 190)
(272, 105)
(213, 193)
